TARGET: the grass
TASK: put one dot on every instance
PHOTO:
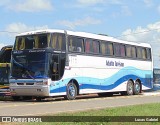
(136, 110)
(152, 109)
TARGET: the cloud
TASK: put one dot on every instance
(148, 3)
(90, 2)
(13, 29)
(158, 9)
(2, 45)
(150, 34)
(124, 11)
(21, 27)
(31, 5)
(94, 2)
(5, 2)
(80, 22)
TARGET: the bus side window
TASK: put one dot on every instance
(148, 53)
(75, 44)
(71, 48)
(117, 49)
(109, 48)
(103, 48)
(87, 46)
(79, 44)
(122, 51)
(139, 53)
(128, 51)
(96, 47)
(58, 41)
(133, 52)
(144, 53)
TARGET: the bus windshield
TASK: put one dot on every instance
(32, 41)
(30, 66)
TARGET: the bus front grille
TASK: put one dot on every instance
(25, 84)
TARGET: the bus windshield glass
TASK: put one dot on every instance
(32, 41)
(31, 65)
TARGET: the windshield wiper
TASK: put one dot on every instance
(29, 73)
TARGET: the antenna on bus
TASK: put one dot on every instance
(103, 34)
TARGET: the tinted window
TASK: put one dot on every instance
(95, 46)
(128, 51)
(148, 53)
(91, 46)
(75, 44)
(144, 53)
(119, 50)
(58, 41)
(32, 41)
(139, 52)
(106, 48)
(133, 52)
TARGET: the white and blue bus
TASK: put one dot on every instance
(48, 63)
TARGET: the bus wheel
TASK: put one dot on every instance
(16, 98)
(137, 88)
(71, 91)
(130, 88)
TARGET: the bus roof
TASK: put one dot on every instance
(85, 35)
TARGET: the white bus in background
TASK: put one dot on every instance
(52, 63)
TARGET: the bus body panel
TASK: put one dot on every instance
(100, 76)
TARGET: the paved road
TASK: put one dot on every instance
(33, 108)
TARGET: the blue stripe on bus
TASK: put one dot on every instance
(104, 86)
(110, 82)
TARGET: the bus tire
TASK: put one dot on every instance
(136, 88)
(71, 91)
(129, 88)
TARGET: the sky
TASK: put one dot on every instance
(131, 20)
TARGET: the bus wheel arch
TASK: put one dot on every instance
(72, 89)
(137, 87)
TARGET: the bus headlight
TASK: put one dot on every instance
(42, 83)
(39, 83)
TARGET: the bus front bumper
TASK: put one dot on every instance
(41, 91)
